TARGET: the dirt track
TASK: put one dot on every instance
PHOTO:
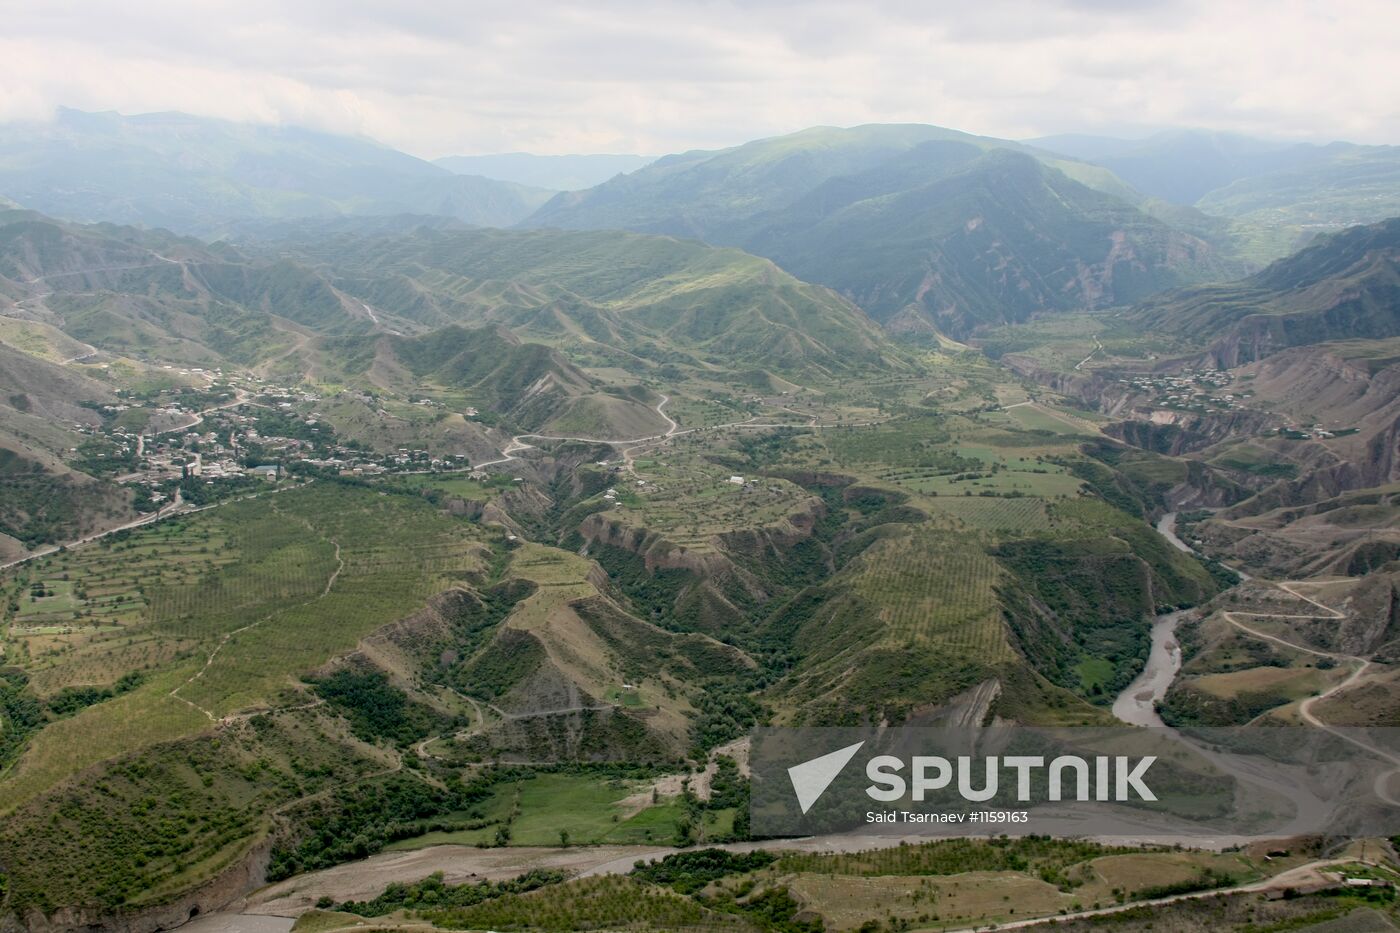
(367, 878)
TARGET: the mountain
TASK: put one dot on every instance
(195, 175)
(997, 240)
(561, 173)
(157, 295)
(1252, 181)
(923, 227)
(429, 309)
(701, 193)
(640, 302)
(1343, 287)
(143, 295)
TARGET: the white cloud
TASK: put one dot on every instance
(557, 76)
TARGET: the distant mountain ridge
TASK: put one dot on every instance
(196, 175)
(559, 172)
(1258, 181)
(1180, 166)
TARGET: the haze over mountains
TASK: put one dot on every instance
(561, 173)
(931, 231)
(194, 174)
(1228, 175)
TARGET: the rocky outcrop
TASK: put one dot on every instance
(1087, 387)
(1178, 433)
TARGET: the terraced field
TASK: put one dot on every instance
(996, 514)
(589, 809)
(237, 603)
(934, 589)
(689, 501)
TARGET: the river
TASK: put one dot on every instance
(1137, 705)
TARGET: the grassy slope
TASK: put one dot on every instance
(648, 299)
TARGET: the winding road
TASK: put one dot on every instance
(517, 443)
(1305, 709)
(628, 446)
(1360, 666)
(1098, 348)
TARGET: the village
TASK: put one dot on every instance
(237, 430)
(1190, 390)
(1201, 391)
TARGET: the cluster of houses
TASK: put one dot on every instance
(222, 448)
(1315, 432)
(1191, 389)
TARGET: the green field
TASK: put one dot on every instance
(589, 809)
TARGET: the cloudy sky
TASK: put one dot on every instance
(652, 76)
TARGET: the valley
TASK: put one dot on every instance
(340, 549)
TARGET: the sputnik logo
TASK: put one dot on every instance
(1116, 778)
(811, 778)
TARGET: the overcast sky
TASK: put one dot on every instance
(556, 76)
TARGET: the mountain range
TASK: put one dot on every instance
(924, 227)
(931, 231)
(194, 174)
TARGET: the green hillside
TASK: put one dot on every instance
(615, 296)
(924, 227)
(528, 385)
